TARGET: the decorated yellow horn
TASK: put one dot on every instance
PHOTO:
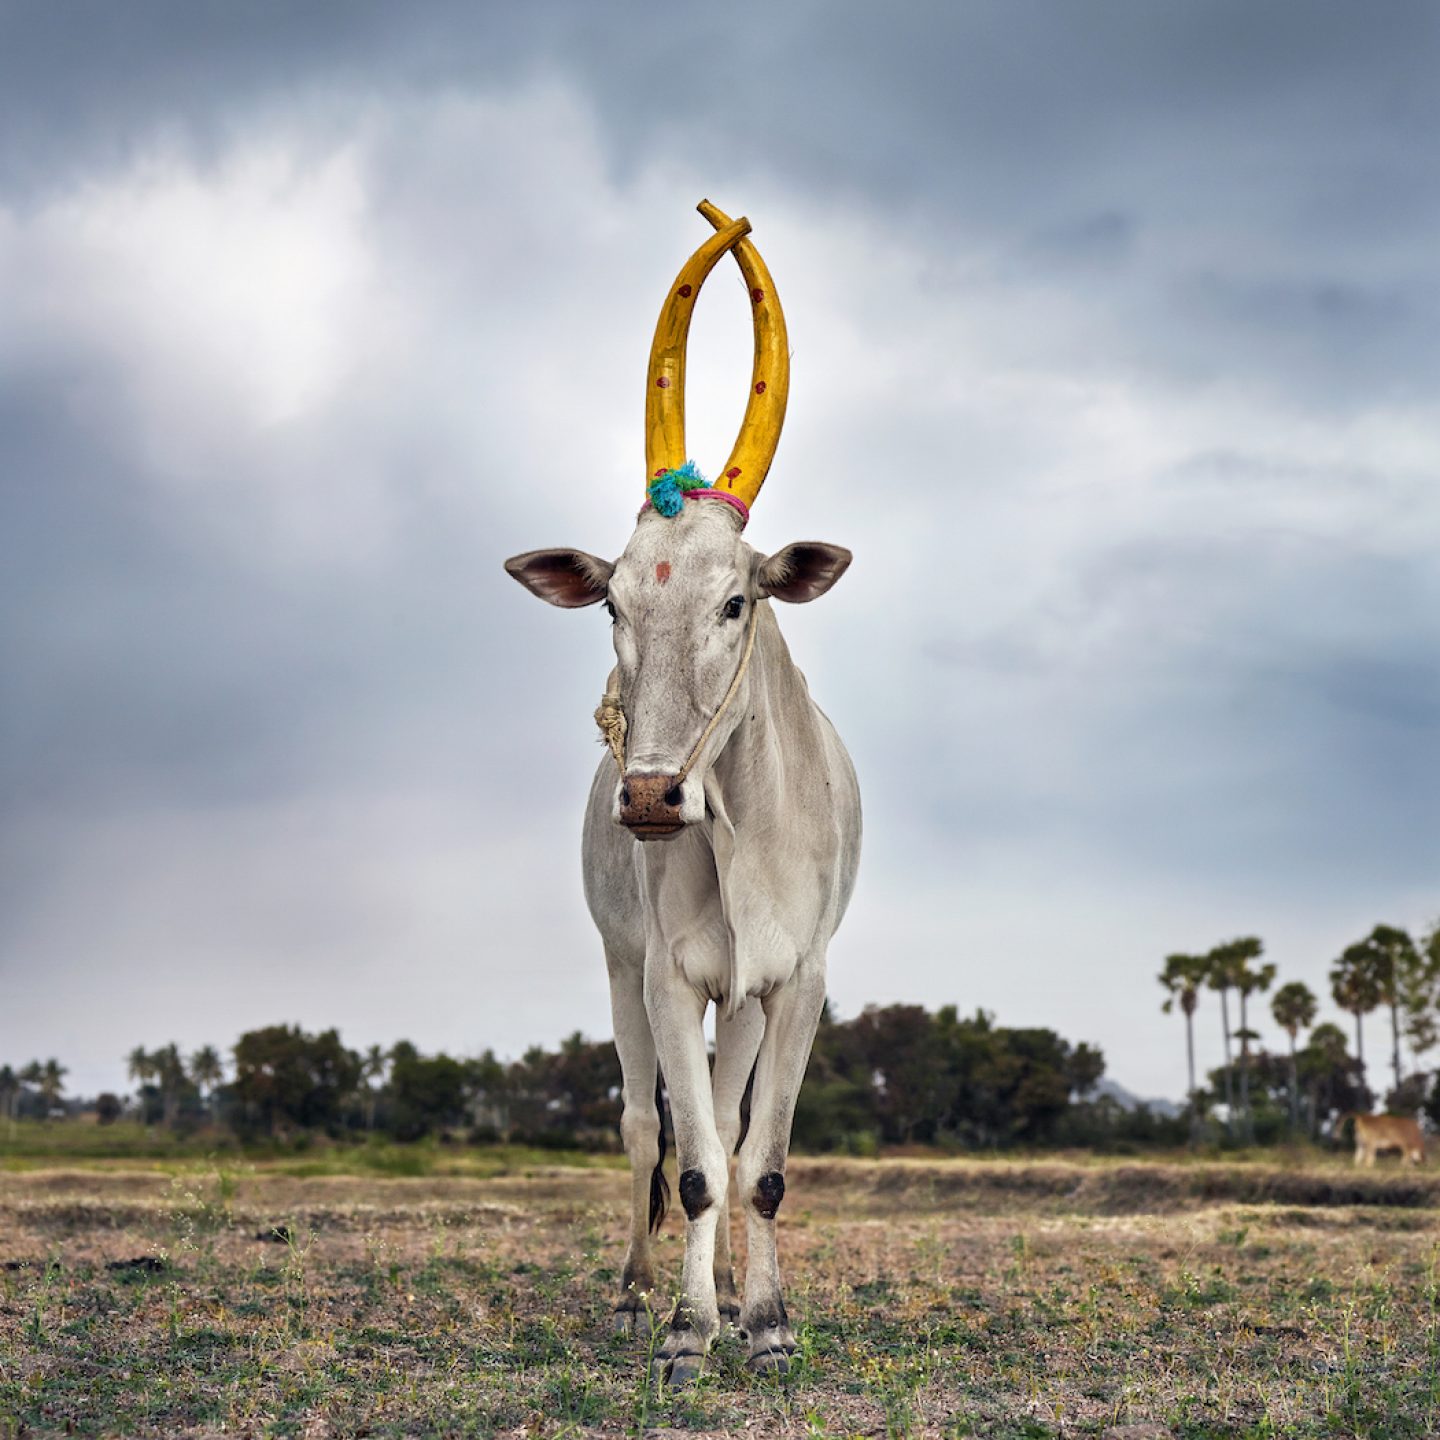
(750, 460)
(665, 384)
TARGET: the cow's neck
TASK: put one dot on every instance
(778, 725)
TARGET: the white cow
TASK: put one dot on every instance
(720, 851)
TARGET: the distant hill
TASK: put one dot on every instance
(1127, 1101)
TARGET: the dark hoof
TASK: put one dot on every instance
(769, 1362)
(681, 1369)
(631, 1322)
(730, 1312)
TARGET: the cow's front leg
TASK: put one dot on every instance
(676, 1013)
(792, 1013)
(737, 1039)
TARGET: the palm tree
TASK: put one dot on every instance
(1182, 977)
(207, 1071)
(170, 1070)
(141, 1067)
(372, 1067)
(1294, 1007)
(1247, 982)
(1356, 990)
(9, 1095)
(32, 1074)
(51, 1081)
(1325, 1060)
(1390, 957)
(1219, 975)
(1420, 995)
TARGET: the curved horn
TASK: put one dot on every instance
(750, 460)
(665, 383)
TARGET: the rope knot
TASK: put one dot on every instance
(610, 717)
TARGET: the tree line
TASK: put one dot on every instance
(891, 1076)
(1388, 969)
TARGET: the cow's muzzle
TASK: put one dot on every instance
(650, 806)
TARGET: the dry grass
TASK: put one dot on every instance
(933, 1298)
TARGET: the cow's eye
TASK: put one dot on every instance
(611, 609)
(733, 607)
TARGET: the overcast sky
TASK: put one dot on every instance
(1116, 335)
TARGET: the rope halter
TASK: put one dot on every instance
(610, 714)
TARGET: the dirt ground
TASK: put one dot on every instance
(936, 1299)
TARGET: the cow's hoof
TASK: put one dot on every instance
(730, 1312)
(631, 1322)
(774, 1361)
(681, 1369)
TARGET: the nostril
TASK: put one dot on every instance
(674, 796)
(624, 794)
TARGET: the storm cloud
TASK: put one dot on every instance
(1115, 355)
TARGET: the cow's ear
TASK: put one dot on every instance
(568, 578)
(803, 571)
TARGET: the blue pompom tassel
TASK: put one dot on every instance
(666, 491)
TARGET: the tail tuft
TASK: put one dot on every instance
(659, 1185)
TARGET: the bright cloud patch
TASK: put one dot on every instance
(233, 291)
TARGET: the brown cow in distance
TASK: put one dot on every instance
(1374, 1133)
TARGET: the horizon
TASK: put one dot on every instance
(1345, 1022)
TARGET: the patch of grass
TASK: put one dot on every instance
(31, 1145)
(985, 1301)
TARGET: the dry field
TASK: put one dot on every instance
(947, 1298)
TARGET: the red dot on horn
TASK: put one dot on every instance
(757, 294)
(733, 472)
(685, 292)
(659, 472)
(759, 387)
(663, 383)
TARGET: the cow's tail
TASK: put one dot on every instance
(746, 1099)
(659, 1185)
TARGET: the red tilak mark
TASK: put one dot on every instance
(757, 294)
(733, 473)
(759, 387)
(685, 292)
(663, 383)
(662, 571)
(660, 472)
